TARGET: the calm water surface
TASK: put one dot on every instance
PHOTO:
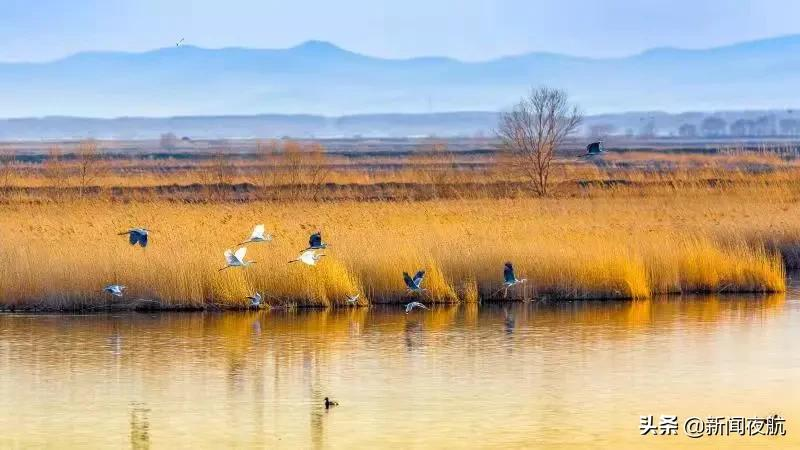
(549, 375)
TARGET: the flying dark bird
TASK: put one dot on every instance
(330, 403)
(509, 279)
(413, 305)
(594, 149)
(414, 284)
(136, 236)
(315, 242)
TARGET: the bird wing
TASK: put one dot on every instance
(229, 257)
(133, 237)
(409, 307)
(508, 273)
(258, 231)
(240, 253)
(308, 256)
(142, 239)
(315, 240)
(409, 282)
(418, 277)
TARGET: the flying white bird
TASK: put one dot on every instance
(414, 284)
(114, 289)
(352, 299)
(413, 305)
(258, 235)
(178, 44)
(137, 236)
(309, 257)
(510, 279)
(255, 300)
(236, 259)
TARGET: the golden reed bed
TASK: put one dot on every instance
(59, 255)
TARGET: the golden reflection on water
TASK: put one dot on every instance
(559, 375)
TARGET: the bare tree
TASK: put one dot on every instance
(88, 159)
(222, 169)
(53, 168)
(435, 164)
(301, 169)
(270, 154)
(7, 168)
(317, 169)
(532, 132)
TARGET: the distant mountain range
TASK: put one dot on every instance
(320, 78)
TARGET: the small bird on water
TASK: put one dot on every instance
(352, 299)
(114, 289)
(413, 305)
(330, 403)
(137, 236)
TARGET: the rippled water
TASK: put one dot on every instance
(565, 374)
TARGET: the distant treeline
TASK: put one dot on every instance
(453, 124)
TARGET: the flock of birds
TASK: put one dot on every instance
(309, 256)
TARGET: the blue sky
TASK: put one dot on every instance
(466, 29)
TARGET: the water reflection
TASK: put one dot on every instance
(510, 375)
(140, 427)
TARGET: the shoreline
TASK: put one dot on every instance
(153, 306)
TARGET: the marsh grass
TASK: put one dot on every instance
(59, 255)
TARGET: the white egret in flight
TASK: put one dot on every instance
(309, 257)
(236, 259)
(258, 235)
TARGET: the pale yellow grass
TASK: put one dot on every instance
(61, 255)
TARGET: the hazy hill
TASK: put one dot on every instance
(320, 78)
